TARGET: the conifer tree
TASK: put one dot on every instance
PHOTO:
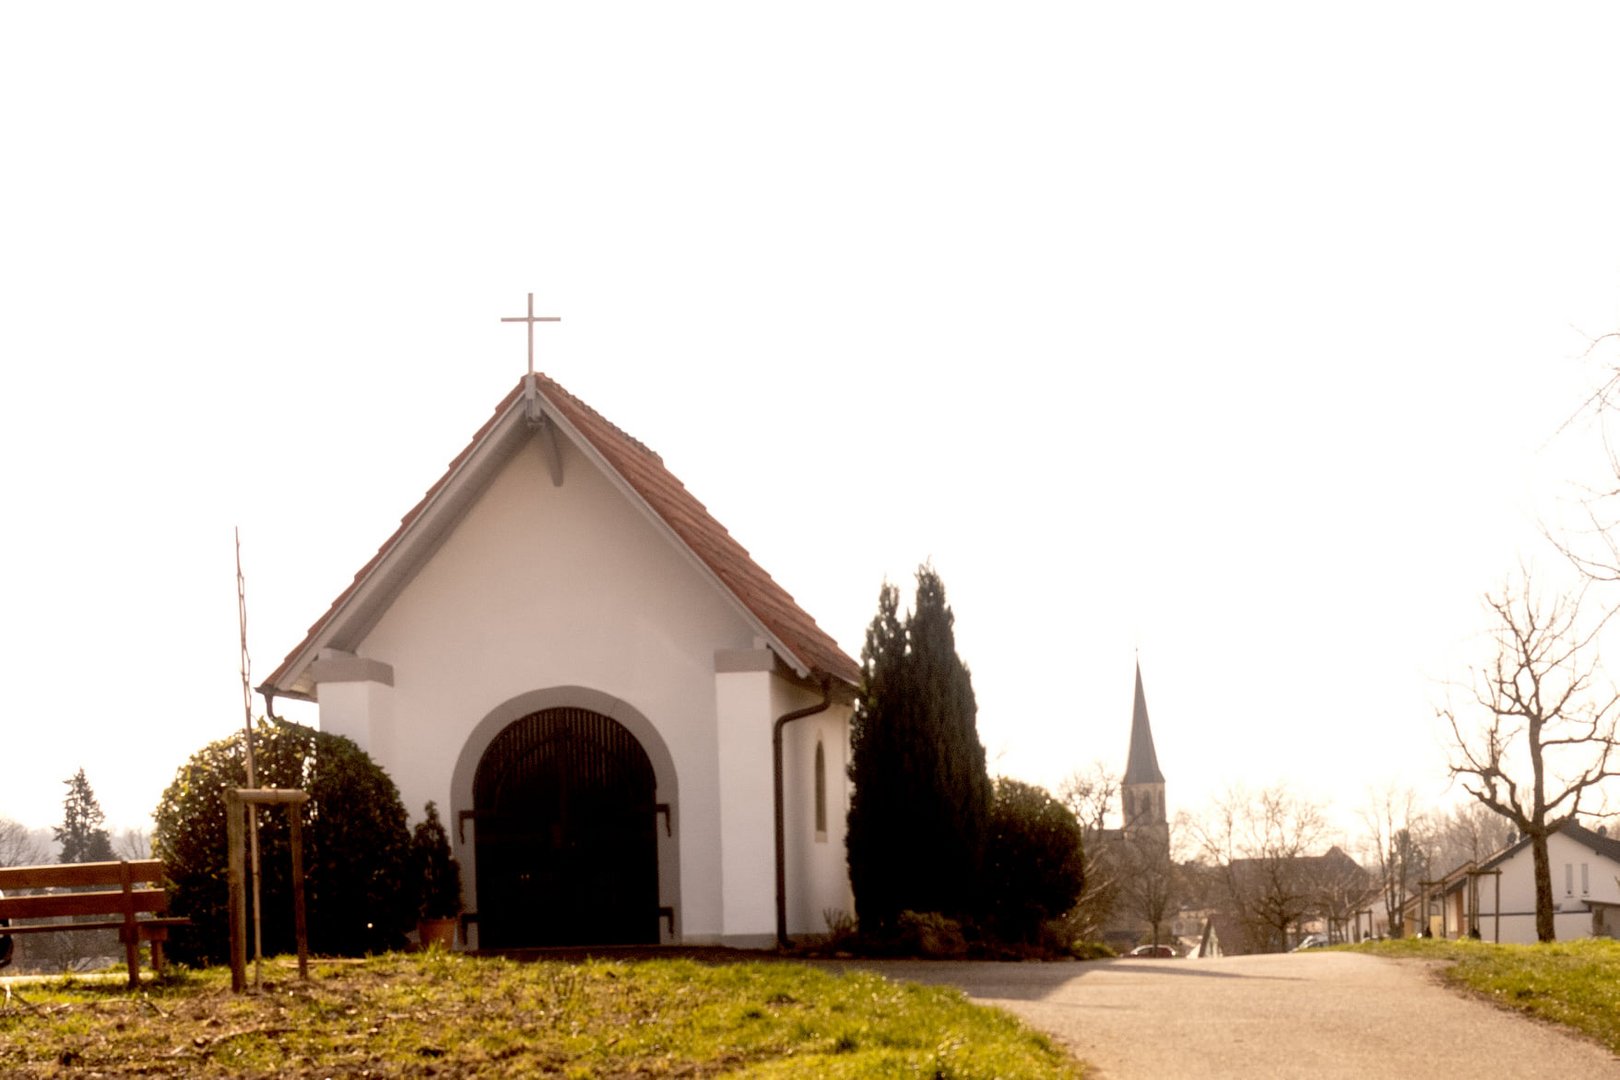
(875, 825)
(920, 808)
(81, 834)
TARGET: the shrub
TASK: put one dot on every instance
(1091, 950)
(1033, 866)
(359, 891)
(437, 871)
(929, 933)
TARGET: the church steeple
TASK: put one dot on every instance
(1142, 765)
(1142, 790)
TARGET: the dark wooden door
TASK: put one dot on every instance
(566, 846)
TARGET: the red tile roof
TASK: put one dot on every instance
(807, 645)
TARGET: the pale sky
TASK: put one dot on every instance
(1234, 337)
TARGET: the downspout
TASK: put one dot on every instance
(781, 830)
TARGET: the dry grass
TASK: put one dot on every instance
(448, 1015)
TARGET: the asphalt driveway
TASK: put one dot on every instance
(1315, 1015)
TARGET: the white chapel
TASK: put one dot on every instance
(599, 688)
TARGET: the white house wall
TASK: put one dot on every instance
(1518, 905)
(572, 586)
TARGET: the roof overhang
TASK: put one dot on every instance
(424, 530)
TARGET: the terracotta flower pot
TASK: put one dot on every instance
(440, 932)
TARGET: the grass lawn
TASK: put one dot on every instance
(439, 1014)
(1576, 983)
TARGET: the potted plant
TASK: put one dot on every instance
(440, 879)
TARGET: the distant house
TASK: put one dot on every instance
(1271, 904)
(1496, 897)
(564, 650)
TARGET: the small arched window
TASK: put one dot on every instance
(821, 793)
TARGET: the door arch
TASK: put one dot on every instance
(566, 851)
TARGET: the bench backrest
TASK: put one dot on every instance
(83, 876)
(79, 875)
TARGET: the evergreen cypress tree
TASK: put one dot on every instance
(871, 837)
(81, 834)
(918, 816)
(952, 811)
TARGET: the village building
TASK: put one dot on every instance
(1495, 898)
(1135, 859)
(1321, 895)
(600, 689)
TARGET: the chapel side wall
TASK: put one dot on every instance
(816, 863)
(543, 587)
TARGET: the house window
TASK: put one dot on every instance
(821, 793)
(1569, 879)
(1586, 884)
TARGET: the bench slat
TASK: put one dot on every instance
(78, 875)
(148, 928)
(82, 903)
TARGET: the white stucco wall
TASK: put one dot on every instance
(543, 587)
(747, 799)
(817, 866)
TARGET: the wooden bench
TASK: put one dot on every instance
(119, 893)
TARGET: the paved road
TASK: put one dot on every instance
(1316, 1015)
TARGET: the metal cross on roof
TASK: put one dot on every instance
(531, 318)
(531, 404)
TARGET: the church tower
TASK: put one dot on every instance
(1142, 790)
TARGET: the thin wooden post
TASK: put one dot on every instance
(130, 932)
(300, 928)
(238, 899)
(235, 801)
(1498, 933)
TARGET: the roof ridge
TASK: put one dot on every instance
(580, 402)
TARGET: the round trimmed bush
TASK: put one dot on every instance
(360, 894)
(1033, 865)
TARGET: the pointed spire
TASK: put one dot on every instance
(1142, 766)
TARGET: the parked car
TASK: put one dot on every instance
(1156, 952)
(1312, 941)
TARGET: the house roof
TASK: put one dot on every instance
(1606, 846)
(1142, 764)
(1457, 877)
(789, 631)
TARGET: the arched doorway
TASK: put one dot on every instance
(566, 848)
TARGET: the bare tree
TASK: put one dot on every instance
(1468, 832)
(1338, 888)
(21, 846)
(1393, 823)
(1594, 547)
(1260, 842)
(1093, 795)
(1545, 737)
(1147, 882)
(133, 844)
